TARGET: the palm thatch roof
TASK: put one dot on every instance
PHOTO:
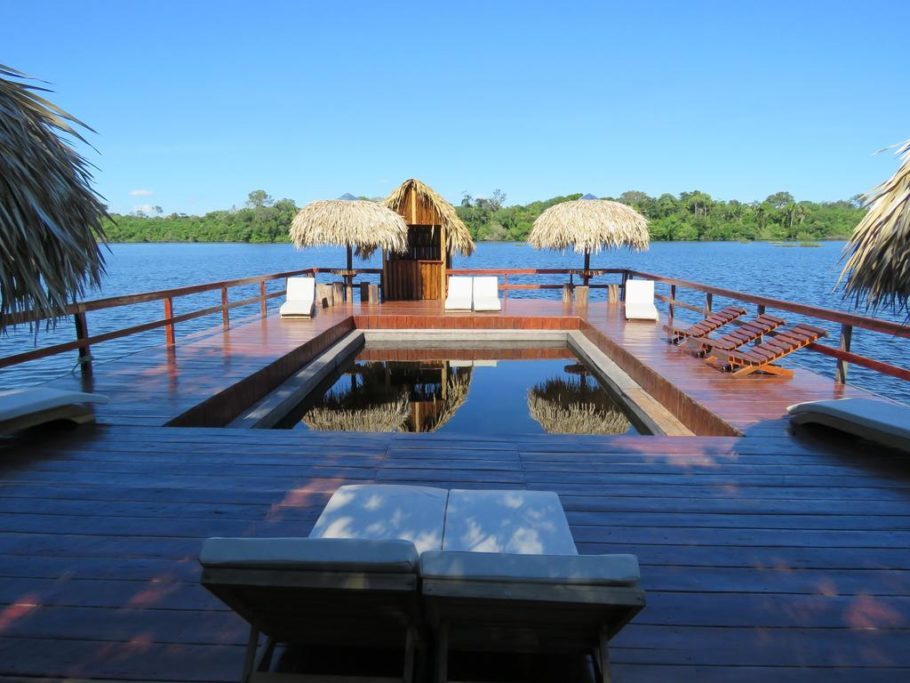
(877, 271)
(457, 385)
(590, 225)
(563, 406)
(50, 217)
(383, 417)
(458, 238)
(353, 223)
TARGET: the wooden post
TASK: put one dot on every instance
(672, 301)
(709, 303)
(365, 292)
(263, 302)
(846, 336)
(169, 338)
(337, 293)
(612, 293)
(581, 295)
(567, 294)
(373, 297)
(505, 286)
(225, 314)
(761, 309)
(324, 296)
(85, 352)
(625, 279)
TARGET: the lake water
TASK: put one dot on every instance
(802, 274)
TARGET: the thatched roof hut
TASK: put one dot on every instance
(353, 223)
(419, 204)
(50, 217)
(588, 226)
(877, 271)
(563, 406)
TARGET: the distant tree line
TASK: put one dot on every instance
(689, 216)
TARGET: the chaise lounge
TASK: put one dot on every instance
(301, 298)
(32, 406)
(878, 421)
(486, 294)
(461, 293)
(763, 357)
(639, 298)
(713, 321)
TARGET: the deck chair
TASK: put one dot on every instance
(745, 333)
(486, 294)
(509, 580)
(301, 297)
(640, 300)
(761, 358)
(713, 321)
(461, 293)
(879, 421)
(32, 406)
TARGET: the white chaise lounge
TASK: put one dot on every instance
(509, 579)
(639, 299)
(879, 421)
(301, 297)
(32, 406)
(486, 294)
(461, 293)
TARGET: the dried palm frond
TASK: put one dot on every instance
(590, 225)
(456, 394)
(385, 417)
(353, 223)
(457, 236)
(570, 407)
(50, 217)
(877, 272)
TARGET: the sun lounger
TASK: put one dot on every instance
(28, 407)
(301, 297)
(745, 333)
(640, 300)
(713, 321)
(879, 421)
(532, 592)
(761, 358)
(461, 293)
(486, 294)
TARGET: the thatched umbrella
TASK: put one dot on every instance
(877, 271)
(50, 218)
(384, 417)
(353, 223)
(563, 406)
(590, 225)
(458, 238)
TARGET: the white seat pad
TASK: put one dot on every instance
(18, 402)
(310, 553)
(588, 570)
(522, 522)
(863, 416)
(380, 512)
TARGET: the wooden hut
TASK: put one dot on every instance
(435, 232)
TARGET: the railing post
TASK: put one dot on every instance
(625, 278)
(225, 313)
(846, 335)
(709, 303)
(672, 300)
(169, 328)
(505, 285)
(85, 352)
(263, 302)
(761, 309)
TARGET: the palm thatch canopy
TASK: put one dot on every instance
(50, 218)
(384, 417)
(877, 271)
(353, 223)
(458, 238)
(590, 225)
(563, 406)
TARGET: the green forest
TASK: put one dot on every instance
(689, 216)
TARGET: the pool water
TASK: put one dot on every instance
(379, 391)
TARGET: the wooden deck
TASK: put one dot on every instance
(772, 556)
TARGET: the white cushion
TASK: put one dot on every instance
(486, 294)
(460, 293)
(301, 289)
(310, 554)
(381, 512)
(521, 522)
(641, 312)
(486, 304)
(639, 292)
(881, 421)
(588, 570)
(18, 402)
(296, 308)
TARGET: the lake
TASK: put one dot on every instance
(802, 274)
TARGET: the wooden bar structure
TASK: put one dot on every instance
(767, 553)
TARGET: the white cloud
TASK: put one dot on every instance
(144, 208)
(141, 193)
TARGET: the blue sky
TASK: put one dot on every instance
(197, 103)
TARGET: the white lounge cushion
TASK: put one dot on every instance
(382, 512)
(296, 308)
(310, 554)
(588, 570)
(881, 421)
(520, 522)
(486, 294)
(642, 312)
(639, 298)
(25, 401)
(300, 295)
(461, 293)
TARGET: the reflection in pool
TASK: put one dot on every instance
(481, 397)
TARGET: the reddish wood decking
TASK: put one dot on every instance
(776, 558)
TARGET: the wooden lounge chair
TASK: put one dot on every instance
(486, 294)
(32, 406)
(879, 421)
(461, 293)
(301, 298)
(744, 334)
(761, 358)
(509, 580)
(712, 321)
